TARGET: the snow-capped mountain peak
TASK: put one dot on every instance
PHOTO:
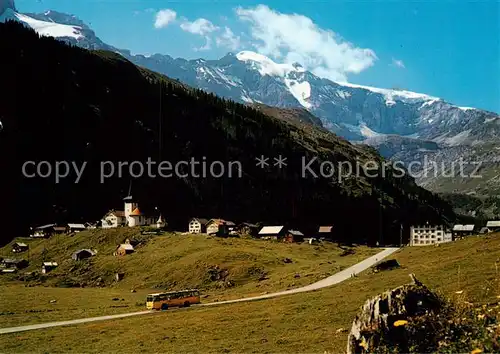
(301, 89)
(267, 66)
(350, 110)
(291, 76)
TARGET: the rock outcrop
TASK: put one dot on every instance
(382, 318)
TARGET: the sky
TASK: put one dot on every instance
(447, 49)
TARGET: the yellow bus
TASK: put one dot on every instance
(162, 301)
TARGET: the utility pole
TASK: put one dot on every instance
(401, 235)
(160, 123)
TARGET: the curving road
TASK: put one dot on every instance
(332, 280)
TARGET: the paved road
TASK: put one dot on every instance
(332, 280)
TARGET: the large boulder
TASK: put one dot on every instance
(387, 265)
(382, 319)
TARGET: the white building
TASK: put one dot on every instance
(113, 218)
(423, 235)
(198, 226)
(131, 216)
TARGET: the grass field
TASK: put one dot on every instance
(306, 322)
(221, 268)
(21, 305)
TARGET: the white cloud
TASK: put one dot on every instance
(398, 63)
(164, 17)
(296, 38)
(200, 26)
(228, 39)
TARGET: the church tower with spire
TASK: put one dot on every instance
(130, 205)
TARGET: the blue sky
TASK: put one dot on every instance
(448, 49)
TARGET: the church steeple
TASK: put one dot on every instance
(130, 206)
(160, 224)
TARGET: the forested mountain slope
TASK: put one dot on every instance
(62, 103)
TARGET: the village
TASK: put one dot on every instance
(132, 217)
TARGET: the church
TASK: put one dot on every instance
(131, 216)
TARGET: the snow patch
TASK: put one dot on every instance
(364, 130)
(389, 100)
(465, 109)
(343, 94)
(216, 74)
(301, 91)
(367, 132)
(246, 99)
(428, 103)
(43, 28)
(392, 95)
(209, 72)
(225, 78)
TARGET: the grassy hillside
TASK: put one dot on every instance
(308, 322)
(67, 104)
(223, 268)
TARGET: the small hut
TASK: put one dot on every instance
(124, 249)
(325, 232)
(272, 232)
(247, 229)
(19, 247)
(293, 236)
(83, 254)
(48, 266)
(14, 263)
